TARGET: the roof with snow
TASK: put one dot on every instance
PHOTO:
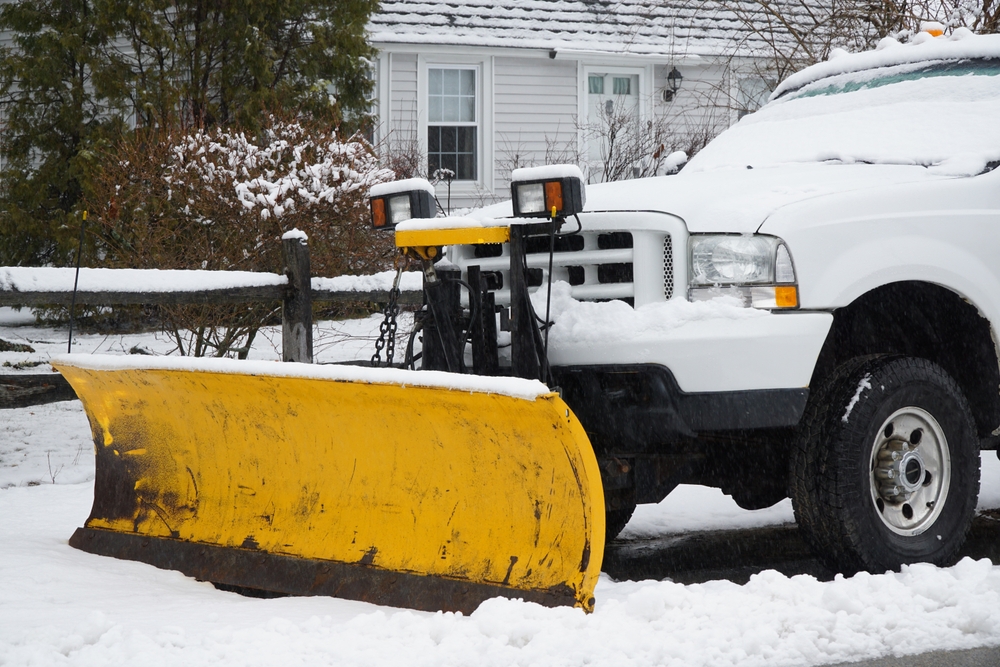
(671, 28)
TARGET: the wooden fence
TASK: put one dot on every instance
(296, 295)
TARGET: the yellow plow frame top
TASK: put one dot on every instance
(410, 488)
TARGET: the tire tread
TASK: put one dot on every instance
(825, 493)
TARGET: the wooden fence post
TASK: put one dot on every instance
(296, 308)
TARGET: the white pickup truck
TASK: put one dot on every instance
(808, 309)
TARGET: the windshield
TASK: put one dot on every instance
(942, 115)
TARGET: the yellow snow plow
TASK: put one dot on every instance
(416, 488)
(371, 484)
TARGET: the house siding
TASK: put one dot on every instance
(535, 112)
(701, 106)
(532, 109)
(403, 102)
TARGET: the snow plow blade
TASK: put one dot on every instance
(408, 488)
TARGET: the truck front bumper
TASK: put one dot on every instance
(717, 354)
(711, 375)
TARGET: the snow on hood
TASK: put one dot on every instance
(939, 113)
(738, 199)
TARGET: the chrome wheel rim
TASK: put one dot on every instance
(910, 471)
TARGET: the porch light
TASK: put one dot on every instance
(674, 80)
(392, 203)
(552, 191)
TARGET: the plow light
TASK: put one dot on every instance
(392, 203)
(552, 191)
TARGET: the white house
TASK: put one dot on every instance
(483, 86)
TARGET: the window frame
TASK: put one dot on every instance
(484, 116)
(476, 112)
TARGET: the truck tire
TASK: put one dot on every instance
(615, 521)
(886, 468)
(806, 458)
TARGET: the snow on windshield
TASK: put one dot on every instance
(940, 115)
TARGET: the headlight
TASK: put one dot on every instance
(756, 268)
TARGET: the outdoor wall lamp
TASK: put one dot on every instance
(674, 79)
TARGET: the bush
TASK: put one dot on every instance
(221, 199)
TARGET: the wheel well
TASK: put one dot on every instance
(921, 320)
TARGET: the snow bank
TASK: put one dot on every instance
(50, 279)
(514, 387)
(405, 185)
(691, 508)
(61, 606)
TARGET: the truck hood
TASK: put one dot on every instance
(737, 200)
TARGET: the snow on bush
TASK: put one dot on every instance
(292, 170)
(222, 198)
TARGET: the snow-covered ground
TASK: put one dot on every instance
(61, 606)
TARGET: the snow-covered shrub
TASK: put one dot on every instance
(222, 198)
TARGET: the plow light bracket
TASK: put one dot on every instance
(552, 191)
(392, 203)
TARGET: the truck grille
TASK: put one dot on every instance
(598, 265)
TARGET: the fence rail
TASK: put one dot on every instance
(295, 288)
(221, 296)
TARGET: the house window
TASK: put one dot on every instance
(452, 127)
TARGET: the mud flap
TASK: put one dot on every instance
(306, 483)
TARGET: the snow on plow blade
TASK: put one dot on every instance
(393, 487)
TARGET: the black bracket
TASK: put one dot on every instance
(527, 357)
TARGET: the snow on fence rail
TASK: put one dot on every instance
(295, 288)
(47, 286)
